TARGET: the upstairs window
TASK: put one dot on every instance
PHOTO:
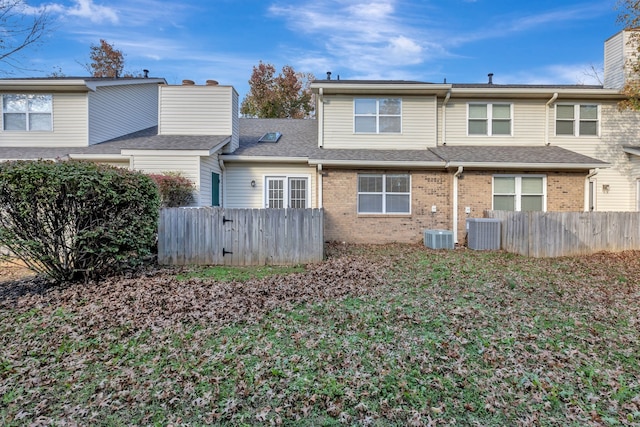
(519, 193)
(489, 119)
(27, 112)
(384, 194)
(577, 120)
(377, 115)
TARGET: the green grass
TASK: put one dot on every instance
(458, 337)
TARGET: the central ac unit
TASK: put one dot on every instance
(438, 239)
(483, 233)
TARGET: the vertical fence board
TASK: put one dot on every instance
(554, 234)
(254, 236)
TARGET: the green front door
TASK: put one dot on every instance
(215, 189)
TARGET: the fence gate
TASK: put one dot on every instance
(219, 236)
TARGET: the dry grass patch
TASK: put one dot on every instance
(376, 335)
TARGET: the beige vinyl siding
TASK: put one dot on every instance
(617, 129)
(69, 125)
(187, 166)
(119, 110)
(527, 121)
(238, 177)
(235, 123)
(614, 57)
(197, 110)
(208, 165)
(124, 164)
(418, 125)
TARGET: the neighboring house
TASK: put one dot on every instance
(385, 159)
(137, 123)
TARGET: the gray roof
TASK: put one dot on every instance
(147, 139)
(512, 155)
(299, 139)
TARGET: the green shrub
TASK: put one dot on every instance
(76, 220)
(175, 190)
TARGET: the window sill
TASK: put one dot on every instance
(384, 215)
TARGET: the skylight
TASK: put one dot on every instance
(270, 137)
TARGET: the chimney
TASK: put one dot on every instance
(490, 78)
(188, 82)
(328, 75)
(212, 83)
(619, 53)
(146, 73)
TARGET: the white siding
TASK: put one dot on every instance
(614, 59)
(418, 125)
(617, 129)
(235, 118)
(69, 125)
(187, 166)
(197, 110)
(119, 110)
(208, 165)
(528, 122)
(238, 176)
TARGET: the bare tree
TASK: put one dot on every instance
(20, 27)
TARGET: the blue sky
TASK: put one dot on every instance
(532, 42)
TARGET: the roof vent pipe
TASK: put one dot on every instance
(328, 75)
(490, 78)
(146, 73)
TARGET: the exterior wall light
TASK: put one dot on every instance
(253, 182)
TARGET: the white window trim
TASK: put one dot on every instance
(577, 120)
(265, 192)
(490, 119)
(518, 193)
(2, 128)
(383, 193)
(377, 116)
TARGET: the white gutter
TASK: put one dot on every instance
(105, 157)
(444, 118)
(562, 166)
(546, 118)
(256, 159)
(380, 163)
(223, 169)
(319, 204)
(455, 202)
(631, 150)
(320, 117)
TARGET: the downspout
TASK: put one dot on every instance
(320, 117)
(546, 118)
(223, 201)
(444, 118)
(586, 189)
(455, 202)
(319, 203)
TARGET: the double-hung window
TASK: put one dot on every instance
(377, 115)
(489, 119)
(287, 192)
(22, 112)
(519, 192)
(384, 194)
(577, 120)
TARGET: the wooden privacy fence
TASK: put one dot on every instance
(553, 234)
(219, 236)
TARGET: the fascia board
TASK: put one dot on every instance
(536, 166)
(165, 153)
(563, 93)
(261, 159)
(632, 151)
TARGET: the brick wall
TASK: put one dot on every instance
(342, 222)
(565, 192)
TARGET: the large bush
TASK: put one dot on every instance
(175, 190)
(76, 220)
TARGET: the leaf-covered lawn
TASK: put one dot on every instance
(376, 335)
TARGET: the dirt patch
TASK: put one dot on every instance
(14, 270)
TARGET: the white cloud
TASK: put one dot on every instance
(582, 74)
(86, 9)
